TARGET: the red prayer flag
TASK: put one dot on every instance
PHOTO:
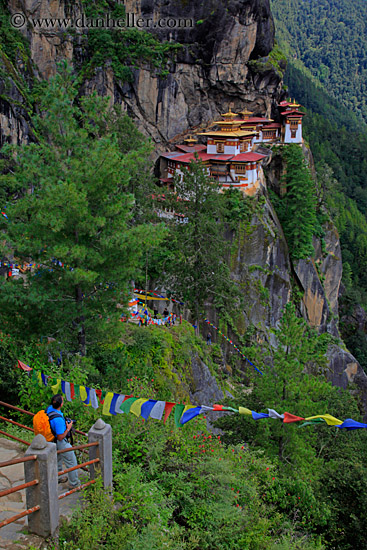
(217, 407)
(288, 417)
(23, 366)
(167, 410)
(72, 391)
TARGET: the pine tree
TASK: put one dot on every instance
(198, 271)
(297, 209)
(71, 214)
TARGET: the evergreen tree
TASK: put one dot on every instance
(297, 208)
(198, 271)
(71, 214)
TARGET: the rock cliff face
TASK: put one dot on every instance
(211, 72)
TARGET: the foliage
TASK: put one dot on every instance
(329, 37)
(12, 42)
(127, 49)
(183, 490)
(198, 271)
(297, 208)
(308, 461)
(71, 214)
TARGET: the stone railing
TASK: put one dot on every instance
(42, 498)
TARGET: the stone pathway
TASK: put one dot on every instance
(14, 536)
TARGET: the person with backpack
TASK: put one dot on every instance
(61, 429)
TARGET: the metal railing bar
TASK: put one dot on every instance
(79, 488)
(30, 413)
(78, 466)
(16, 423)
(18, 488)
(16, 408)
(16, 438)
(77, 447)
(19, 516)
(17, 461)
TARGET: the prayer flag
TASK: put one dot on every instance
(67, 391)
(157, 410)
(39, 376)
(243, 410)
(85, 395)
(107, 403)
(288, 418)
(351, 424)
(167, 410)
(330, 420)
(136, 406)
(178, 413)
(23, 366)
(189, 413)
(113, 404)
(125, 407)
(274, 414)
(312, 422)
(147, 407)
(258, 416)
(56, 387)
(119, 402)
(93, 398)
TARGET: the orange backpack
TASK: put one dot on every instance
(41, 424)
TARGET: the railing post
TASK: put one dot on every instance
(102, 433)
(45, 521)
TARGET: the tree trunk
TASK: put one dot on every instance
(80, 321)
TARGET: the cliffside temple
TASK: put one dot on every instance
(230, 153)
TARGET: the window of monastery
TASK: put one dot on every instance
(240, 168)
(294, 123)
(220, 147)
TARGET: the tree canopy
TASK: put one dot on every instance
(71, 215)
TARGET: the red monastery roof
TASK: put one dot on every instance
(293, 112)
(171, 154)
(188, 157)
(273, 125)
(248, 157)
(243, 157)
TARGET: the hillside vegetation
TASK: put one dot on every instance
(328, 35)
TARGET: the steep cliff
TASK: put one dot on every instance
(211, 70)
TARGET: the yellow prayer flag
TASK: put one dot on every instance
(83, 393)
(243, 410)
(56, 388)
(107, 404)
(330, 420)
(136, 406)
(39, 376)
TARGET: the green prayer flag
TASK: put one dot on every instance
(313, 421)
(178, 413)
(127, 404)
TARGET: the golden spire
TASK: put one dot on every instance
(229, 114)
(190, 140)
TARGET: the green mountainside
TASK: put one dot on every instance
(326, 72)
(329, 37)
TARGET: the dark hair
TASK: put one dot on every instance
(56, 400)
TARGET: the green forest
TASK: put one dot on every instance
(329, 37)
(334, 127)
